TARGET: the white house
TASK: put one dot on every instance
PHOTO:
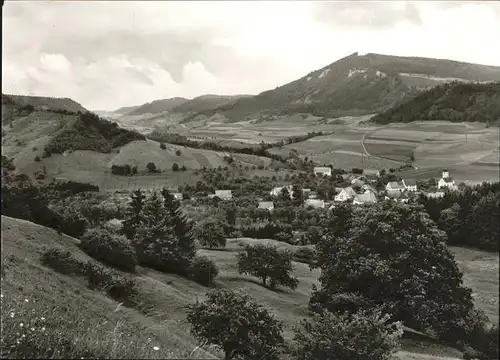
(435, 195)
(177, 196)
(446, 181)
(397, 196)
(224, 194)
(371, 174)
(324, 171)
(410, 185)
(277, 190)
(368, 188)
(395, 186)
(345, 194)
(267, 205)
(317, 204)
(366, 198)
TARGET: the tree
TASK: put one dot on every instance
(450, 222)
(155, 241)
(267, 262)
(210, 233)
(133, 216)
(151, 166)
(483, 220)
(163, 146)
(313, 234)
(412, 157)
(175, 167)
(401, 253)
(364, 335)
(236, 324)
(183, 229)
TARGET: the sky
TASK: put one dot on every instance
(105, 55)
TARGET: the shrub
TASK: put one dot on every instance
(111, 248)
(175, 167)
(183, 168)
(163, 146)
(118, 287)
(151, 166)
(203, 270)
(37, 158)
(237, 325)
(305, 255)
(63, 262)
(178, 152)
(365, 335)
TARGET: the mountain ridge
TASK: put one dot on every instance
(355, 85)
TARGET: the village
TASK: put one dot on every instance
(366, 188)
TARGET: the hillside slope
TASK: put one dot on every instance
(17, 106)
(355, 85)
(455, 102)
(207, 102)
(163, 298)
(126, 109)
(104, 327)
(158, 106)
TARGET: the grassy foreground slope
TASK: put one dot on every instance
(73, 312)
(453, 102)
(163, 297)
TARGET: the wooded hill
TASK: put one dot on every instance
(455, 102)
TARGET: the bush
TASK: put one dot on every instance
(178, 152)
(118, 287)
(203, 270)
(237, 325)
(111, 248)
(305, 255)
(365, 335)
(63, 262)
(151, 166)
(37, 158)
(163, 146)
(175, 167)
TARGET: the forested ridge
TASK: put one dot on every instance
(455, 102)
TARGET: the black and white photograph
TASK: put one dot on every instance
(250, 180)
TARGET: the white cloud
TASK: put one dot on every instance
(108, 54)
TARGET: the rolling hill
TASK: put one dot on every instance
(17, 106)
(126, 109)
(354, 85)
(454, 102)
(83, 147)
(158, 106)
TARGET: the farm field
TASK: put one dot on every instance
(254, 132)
(93, 167)
(169, 294)
(469, 150)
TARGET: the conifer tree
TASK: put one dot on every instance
(134, 213)
(182, 227)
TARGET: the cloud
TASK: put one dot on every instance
(109, 54)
